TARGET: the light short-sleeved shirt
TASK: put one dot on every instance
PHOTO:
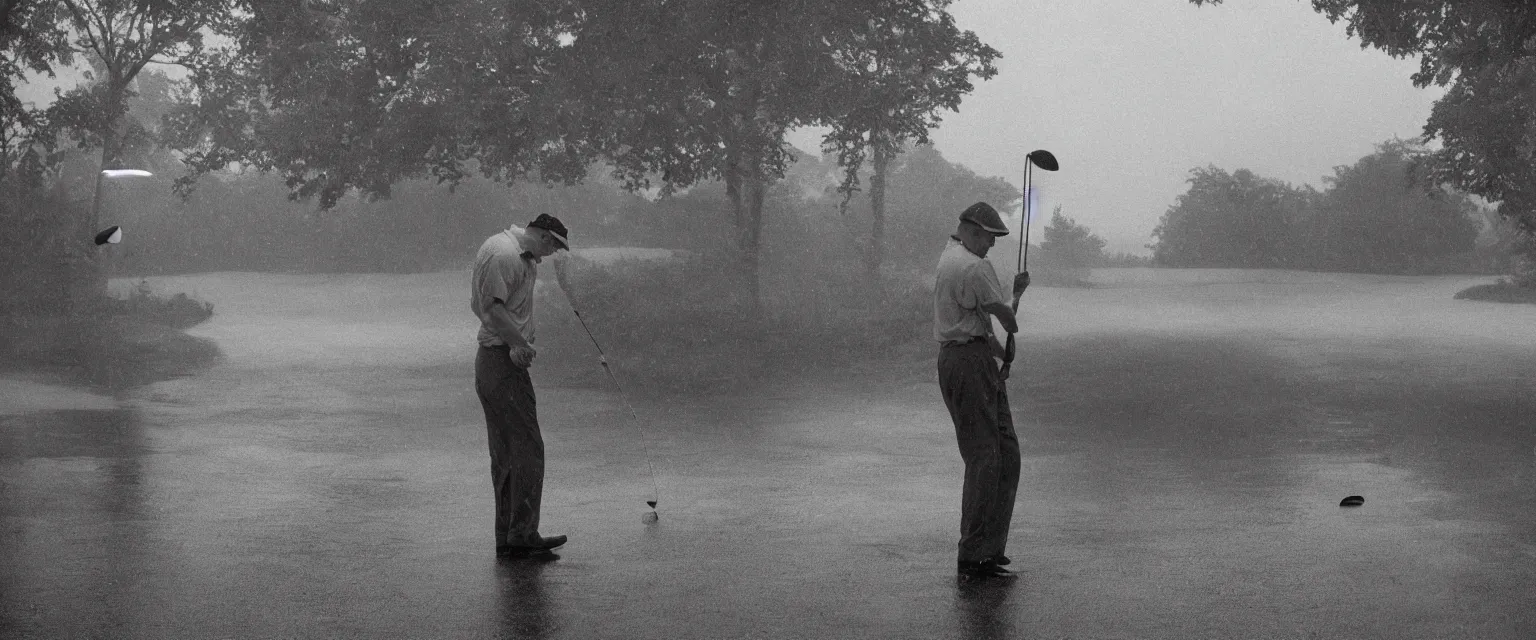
(965, 283)
(501, 273)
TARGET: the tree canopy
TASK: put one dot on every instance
(1236, 219)
(357, 94)
(1375, 216)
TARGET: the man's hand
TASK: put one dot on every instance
(523, 356)
(1020, 283)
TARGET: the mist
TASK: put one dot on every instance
(267, 419)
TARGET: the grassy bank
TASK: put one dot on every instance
(112, 344)
(1502, 291)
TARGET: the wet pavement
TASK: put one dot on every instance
(328, 477)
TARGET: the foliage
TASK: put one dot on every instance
(925, 198)
(901, 71)
(38, 255)
(1070, 244)
(1485, 54)
(1236, 220)
(179, 311)
(1504, 290)
(363, 95)
(686, 325)
(1375, 217)
(30, 42)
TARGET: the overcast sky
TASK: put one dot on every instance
(1132, 94)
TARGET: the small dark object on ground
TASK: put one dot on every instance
(1352, 501)
(651, 503)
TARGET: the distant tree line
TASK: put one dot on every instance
(243, 222)
(1376, 216)
(1482, 53)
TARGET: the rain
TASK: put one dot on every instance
(1268, 381)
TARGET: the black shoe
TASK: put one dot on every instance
(1002, 561)
(543, 545)
(984, 569)
(537, 556)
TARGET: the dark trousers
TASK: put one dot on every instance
(978, 404)
(517, 448)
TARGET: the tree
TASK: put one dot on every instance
(119, 39)
(1071, 245)
(901, 70)
(360, 95)
(1237, 220)
(357, 94)
(927, 194)
(30, 41)
(1376, 217)
(1483, 52)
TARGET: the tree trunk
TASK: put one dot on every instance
(747, 190)
(876, 254)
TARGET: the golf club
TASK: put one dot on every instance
(602, 358)
(1037, 158)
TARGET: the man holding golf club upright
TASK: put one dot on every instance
(501, 295)
(966, 295)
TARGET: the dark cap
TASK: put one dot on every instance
(553, 226)
(983, 215)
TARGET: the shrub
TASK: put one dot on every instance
(178, 311)
(687, 324)
(1504, 290)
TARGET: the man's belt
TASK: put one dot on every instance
(961, 343)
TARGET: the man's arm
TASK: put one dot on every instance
(501, 323)
(1004, 315)
(1010, 323)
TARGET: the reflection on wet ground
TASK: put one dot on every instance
(1174, 486)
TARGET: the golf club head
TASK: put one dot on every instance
(1043, 159)
(651, 503)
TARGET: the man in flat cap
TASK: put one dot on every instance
(501, 295)
(966, 293)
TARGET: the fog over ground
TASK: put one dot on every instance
(1187, 436)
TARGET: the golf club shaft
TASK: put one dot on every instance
(644, 445)
(1024, 248)
(1012, 346)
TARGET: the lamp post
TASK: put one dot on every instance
(114, 233)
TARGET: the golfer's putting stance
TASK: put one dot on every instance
(501, 294)
(966, 291)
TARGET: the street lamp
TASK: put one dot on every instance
(114, 233)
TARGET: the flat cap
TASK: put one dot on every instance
(554, 227)
(983, 215)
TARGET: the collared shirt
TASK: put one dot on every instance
(502, 273)
(964, 284)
